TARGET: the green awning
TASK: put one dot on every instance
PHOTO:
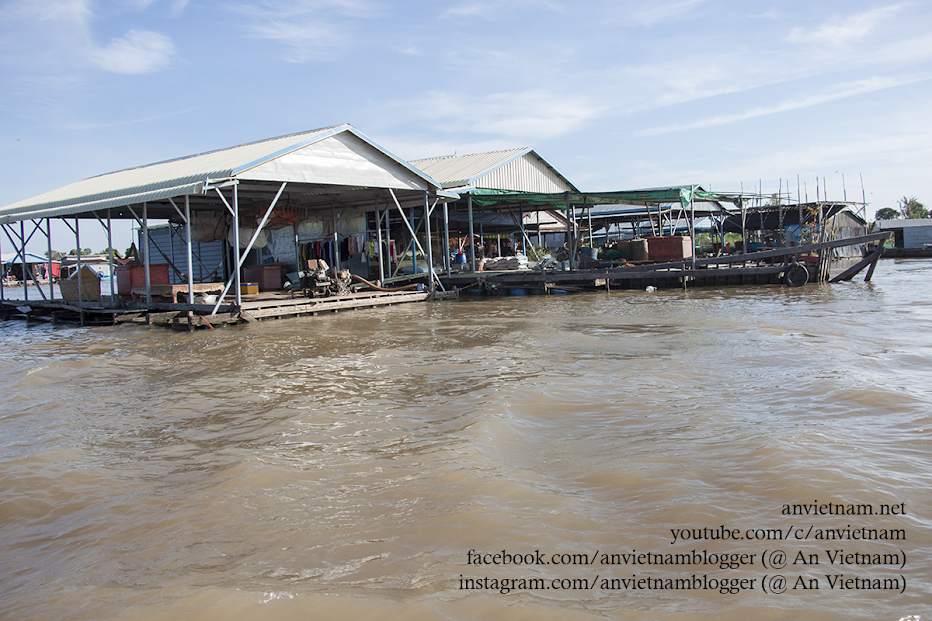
(499, 199)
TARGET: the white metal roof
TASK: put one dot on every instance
(359, 162)
(520, 170)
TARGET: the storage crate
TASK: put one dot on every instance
(671, 248)
(90, 286)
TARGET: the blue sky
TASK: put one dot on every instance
(617, 95)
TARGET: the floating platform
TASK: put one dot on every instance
(768, 267)
(779, 265)
(258, 307)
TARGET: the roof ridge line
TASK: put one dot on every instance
(235, 146)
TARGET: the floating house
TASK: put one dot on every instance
(15, 264)
(506, 171)
(911, 237)
(325, 208)
(308, 192)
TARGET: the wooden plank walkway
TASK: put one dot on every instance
(285, 306)
(270, 305)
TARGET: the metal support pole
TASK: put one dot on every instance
(570, 229)
(410, 228)
(145, 244)
(780, 213)
(378, 237)
(241, 257)
(388, 239)
(238, 296)
(692, 223)
(27, 271)
(336, 238)
(187, 230)
(414, 242)
(539, 238)
(482, 240)
(22, 256)
(110, 256)
(524, 239)
(297, 253)
(472, 236)
(48, 234)
(430, 252)
(77, 241)
(446, 239)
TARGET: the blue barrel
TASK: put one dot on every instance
(460, 258)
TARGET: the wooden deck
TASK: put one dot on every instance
(756, 268)
(256, 307)
(172, 292)
(282, 305)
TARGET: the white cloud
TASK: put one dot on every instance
(178, 7)
(701, 76)
(902, 52)
(53, 10)
(55, 38)
(175, 7)
(533, 114)
(496, 9)
(769, 14)
(470, 10)
(140, 51)
(38, 37)
(837, 31)
(839, 91)
(309, 28)
(660, 12)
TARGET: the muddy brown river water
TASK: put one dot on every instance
(626, 455)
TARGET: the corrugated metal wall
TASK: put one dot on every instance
(206, 256)
(526, 174)
(917, 236)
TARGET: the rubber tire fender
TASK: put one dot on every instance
(796, 276)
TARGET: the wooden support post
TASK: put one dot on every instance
(851, 272)
(870, 270)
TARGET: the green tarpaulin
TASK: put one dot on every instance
(501, 200)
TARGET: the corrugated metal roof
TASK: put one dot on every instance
(14, 257)
(458, 170)
(888, 225)
(520, 169)
(177, 177)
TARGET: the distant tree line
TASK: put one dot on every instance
(909, 208)
(56, 255)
